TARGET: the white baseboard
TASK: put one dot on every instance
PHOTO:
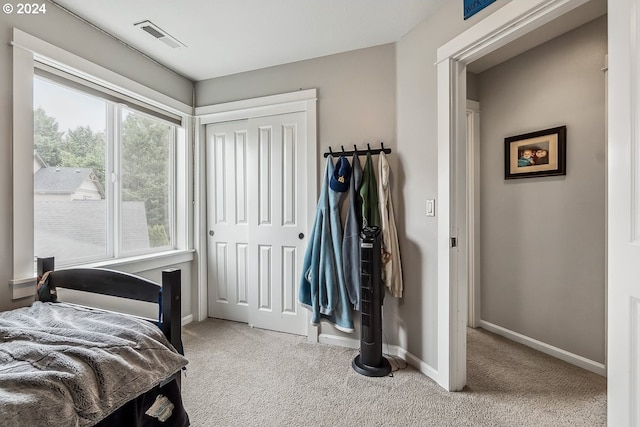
(432, 373)
(187, 319)
(339, 341)
(23, 288)
(417, 363)
(559, 353)
(393, 350)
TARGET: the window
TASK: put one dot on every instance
(100, 100)
(104, 173)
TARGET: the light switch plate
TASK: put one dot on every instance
(431, 207)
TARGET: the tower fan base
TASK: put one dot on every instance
(381, 370)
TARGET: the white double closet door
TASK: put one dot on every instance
(257, 220)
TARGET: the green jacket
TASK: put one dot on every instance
(369, 194)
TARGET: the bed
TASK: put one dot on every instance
(66, 365)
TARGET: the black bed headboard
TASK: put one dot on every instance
(125, 285)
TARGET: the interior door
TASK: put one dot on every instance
(277, 231)
(228, 220)
(257, 219)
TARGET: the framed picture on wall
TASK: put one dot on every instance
(541, 153)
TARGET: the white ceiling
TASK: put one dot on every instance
(567, 22)
(225, 37)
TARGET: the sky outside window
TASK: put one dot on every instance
(69, 107)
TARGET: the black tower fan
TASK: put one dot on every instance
(370, 361)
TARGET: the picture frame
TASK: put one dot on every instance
(536, 154)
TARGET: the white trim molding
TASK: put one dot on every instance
(414, 361)
(506, 24)
(26, 50)
(388, 349)
(146, 262)
(186, 320)
(291, 102)
(545, 348)
(473, 211)
(634, 358)
(254, 107)
(22, 230)
(66, 60)
(338, 340)
(200, 310)
(300, 101)
(623, 210)
(23, 288)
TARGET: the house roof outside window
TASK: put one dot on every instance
(64, 180)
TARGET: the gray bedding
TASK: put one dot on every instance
(62, 365)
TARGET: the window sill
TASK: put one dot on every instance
(140, 263)
(25, 287)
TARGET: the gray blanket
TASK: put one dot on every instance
(62, 365)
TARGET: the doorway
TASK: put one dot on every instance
(514, 20)
(543, 275)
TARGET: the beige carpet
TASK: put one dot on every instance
(239, 376)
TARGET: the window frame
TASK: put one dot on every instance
(27, 52)
(113, 185)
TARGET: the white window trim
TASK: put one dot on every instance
(26, 48)
(53, 55)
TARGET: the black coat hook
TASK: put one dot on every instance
(357, 152)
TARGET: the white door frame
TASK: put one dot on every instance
(300, 101)
(623, 212)
(508, 23)
(473, 212)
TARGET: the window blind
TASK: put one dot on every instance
(102, 91)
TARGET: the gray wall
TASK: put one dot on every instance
(356, 102)
(64, 31)
(472, 87)
(356, 94)
(543, 239)
(370, 95)
(416, 320)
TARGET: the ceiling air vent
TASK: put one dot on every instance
(159, 33)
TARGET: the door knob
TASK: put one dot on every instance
(301, 236)
(211, 233)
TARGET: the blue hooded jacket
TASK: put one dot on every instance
(322, 286)
(351, 242)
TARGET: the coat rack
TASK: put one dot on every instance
(355, 150)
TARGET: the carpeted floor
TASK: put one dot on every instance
(240, 376)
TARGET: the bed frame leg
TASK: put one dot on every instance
(171, 307)
(171, 312)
